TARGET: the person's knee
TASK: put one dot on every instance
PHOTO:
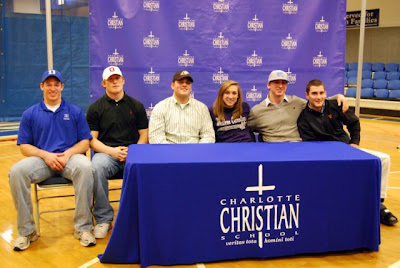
(102, 165)
(81, 167)
(16, 172)
(86, 165)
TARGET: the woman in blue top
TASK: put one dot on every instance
(229, 114)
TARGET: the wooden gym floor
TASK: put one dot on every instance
(58, 248)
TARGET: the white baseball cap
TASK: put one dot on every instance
(278, 75)
(110, 70)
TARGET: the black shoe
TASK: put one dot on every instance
(387, 218)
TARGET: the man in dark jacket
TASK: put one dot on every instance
(323, 120)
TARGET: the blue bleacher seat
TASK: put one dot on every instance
(353, 66)
(352, 80)
(378, 66)
(379, 75)
(394, 94)
(393, 76)
(346, 66)
(367, 66)
(367, 92)
(380, 83)
(394, 84)
(345, 81)
(366, 74)
(381, 93)
(352, 73)
(367, 83)
(391, 67)
(351, 92)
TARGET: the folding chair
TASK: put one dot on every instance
(55, 183)
(118, 176)
(52, 183)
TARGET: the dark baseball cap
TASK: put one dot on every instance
(182, 74)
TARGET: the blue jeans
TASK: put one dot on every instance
(104, 167)
(34, 170)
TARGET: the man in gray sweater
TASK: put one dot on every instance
(275, 118)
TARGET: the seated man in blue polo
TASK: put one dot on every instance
(323, 120)
(54, 135)
(116, 120)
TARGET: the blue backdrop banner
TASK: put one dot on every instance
(217, 40)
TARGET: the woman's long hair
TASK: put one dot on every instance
(218, 106)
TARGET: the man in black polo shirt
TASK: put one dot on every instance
(116, 121)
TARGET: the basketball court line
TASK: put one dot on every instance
(379, 118)
(395, 265)
(89, 263)
(10, 156)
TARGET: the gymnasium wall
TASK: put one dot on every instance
(25, 59)
(382, 44)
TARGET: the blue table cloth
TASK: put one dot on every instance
(192, 203)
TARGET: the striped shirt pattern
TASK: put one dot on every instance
(171, 122)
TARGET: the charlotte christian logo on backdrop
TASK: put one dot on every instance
(253, 94)
(290, 8)
(291, 76)
(289, 43)
(255, 24)
(254, 60)
(115, 58)
(151, 5)
(115, 22)
(151, 41)
(220, 41)
(151, 77)
(220, 77)
(186, 24)
(321, 26)
(186, 60)
(262, 219)
(221, 6)
(149, 110)
(320, 61)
